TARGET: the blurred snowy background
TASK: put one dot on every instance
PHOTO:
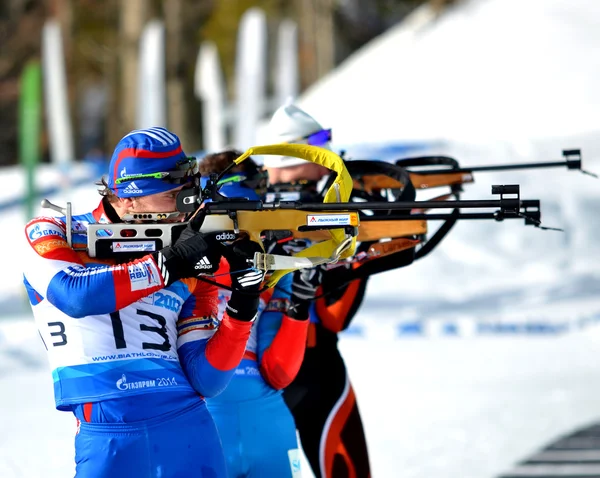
(475, 357)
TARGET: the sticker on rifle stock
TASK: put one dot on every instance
(134, 246)
(331, 220)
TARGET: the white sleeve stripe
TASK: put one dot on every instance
(80, 271)
(251, 278)
(163, 270)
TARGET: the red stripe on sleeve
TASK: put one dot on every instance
(226, 347)
(206, 298)
(62, 254)
(282, 360)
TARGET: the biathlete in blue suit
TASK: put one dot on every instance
(256, 427)
(134, 343)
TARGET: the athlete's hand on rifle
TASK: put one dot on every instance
(192, 254)
(305, 284)
(246, 281)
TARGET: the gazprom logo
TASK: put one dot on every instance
(39, 230)
(123, 384)
(123, 172)
(35, 233)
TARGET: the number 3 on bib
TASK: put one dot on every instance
(161, 330)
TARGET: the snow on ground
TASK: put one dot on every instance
(466, 406)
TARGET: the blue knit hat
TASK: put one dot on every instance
(148, 161)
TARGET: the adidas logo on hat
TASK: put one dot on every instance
(132, 189)
(203, 263)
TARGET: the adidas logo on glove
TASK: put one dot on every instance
(203, 263)
(226, 236)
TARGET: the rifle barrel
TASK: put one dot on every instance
(571, 164)
(399, 206)
(443, 217)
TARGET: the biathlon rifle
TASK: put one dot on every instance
(336, 223)
(382, 181)
(427, 172)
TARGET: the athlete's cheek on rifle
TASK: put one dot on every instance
(162, 202)
(171, 205)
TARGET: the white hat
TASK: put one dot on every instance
(290, 124)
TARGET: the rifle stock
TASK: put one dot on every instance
(376, 182)
(382, 249)
(151, 237)
(426, 181)
(254, 223)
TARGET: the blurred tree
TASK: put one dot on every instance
(357, 22)
(102, 40)
(175, 59)
(316, 39)
(108, 51)
(222, 26)
(132, 18)
(183, 19)
(329, 30)
(94, 69)
(21, 22)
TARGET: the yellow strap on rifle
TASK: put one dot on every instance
(331, 161)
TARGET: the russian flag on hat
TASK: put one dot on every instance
(144, 151)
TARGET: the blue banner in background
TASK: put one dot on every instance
(424, 329)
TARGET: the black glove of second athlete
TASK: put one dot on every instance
(246, 281)
(192, 254)
(305, 284)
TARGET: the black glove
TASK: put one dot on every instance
(192, 254)
(245, 284)
(305, 284)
